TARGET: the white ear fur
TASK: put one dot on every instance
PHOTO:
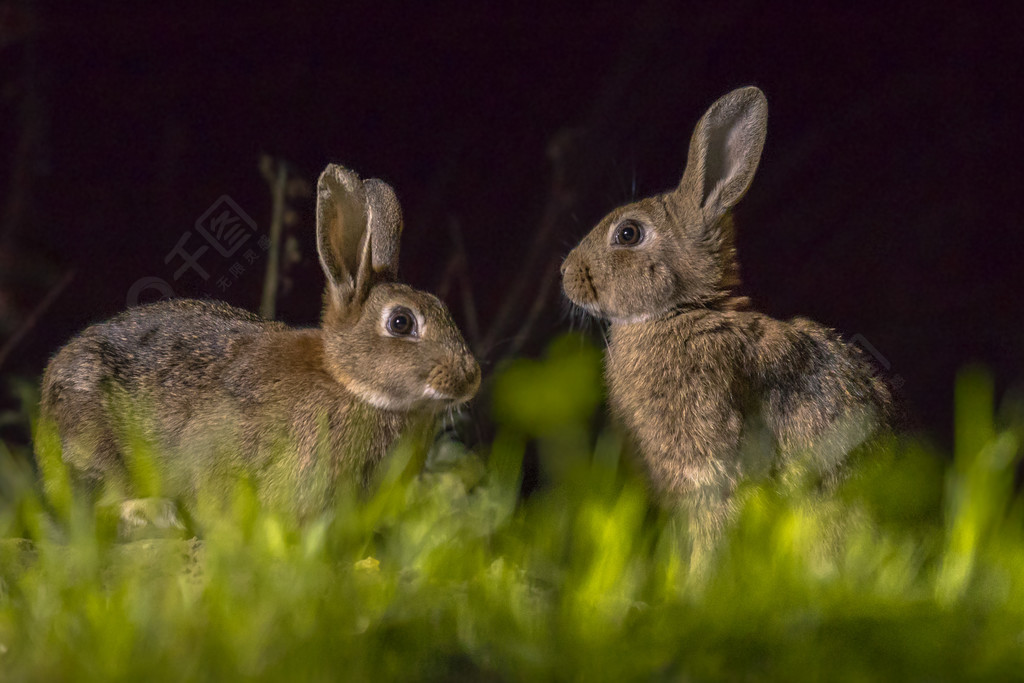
(725, 150)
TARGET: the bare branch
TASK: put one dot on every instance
(559, 199)
(33, 318)
(278, 181)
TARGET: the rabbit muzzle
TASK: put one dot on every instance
(578, 283)
(454, 380)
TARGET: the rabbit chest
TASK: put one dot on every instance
(679, 384)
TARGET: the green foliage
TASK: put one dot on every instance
(542, 397)
(913, 571)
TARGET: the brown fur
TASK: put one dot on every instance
(705, 388)
(217, 392)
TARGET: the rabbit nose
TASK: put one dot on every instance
(472, 369)
(565, 266)
(473, 378)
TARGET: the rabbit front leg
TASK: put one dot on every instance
(695, 465)
(695, 472)
(688, 435)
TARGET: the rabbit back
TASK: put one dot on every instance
(167, 348)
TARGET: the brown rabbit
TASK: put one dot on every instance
(702, 385)
(213, 390)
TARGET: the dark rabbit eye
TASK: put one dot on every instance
(629, 234)
(401, 322)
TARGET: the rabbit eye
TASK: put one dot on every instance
(401, 322)
(629, 234)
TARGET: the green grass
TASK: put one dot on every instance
(913, 571)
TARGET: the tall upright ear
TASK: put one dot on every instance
(724, 152)
(385, 228)
(342, 238)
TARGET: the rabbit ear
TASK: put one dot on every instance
(385, 228)
(343, 241)
(724, 151)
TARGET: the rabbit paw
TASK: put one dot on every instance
(148, 516)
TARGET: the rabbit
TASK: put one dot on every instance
(712, 393)
(213, 390)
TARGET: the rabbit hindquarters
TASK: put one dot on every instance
(143, 384)
(820, 397)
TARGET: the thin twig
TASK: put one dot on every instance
(456, 273)
(559, 199)
(278, 184)
(472, 319)
(448, 277)
(469, 306)
(540, 303)
(33, 318)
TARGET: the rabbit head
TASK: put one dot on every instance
(393, 346)
(675, 249)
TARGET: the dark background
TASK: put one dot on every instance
(888, 202)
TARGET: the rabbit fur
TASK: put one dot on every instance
(213, 390)
(712, 393)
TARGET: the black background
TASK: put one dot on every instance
(888, 202)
